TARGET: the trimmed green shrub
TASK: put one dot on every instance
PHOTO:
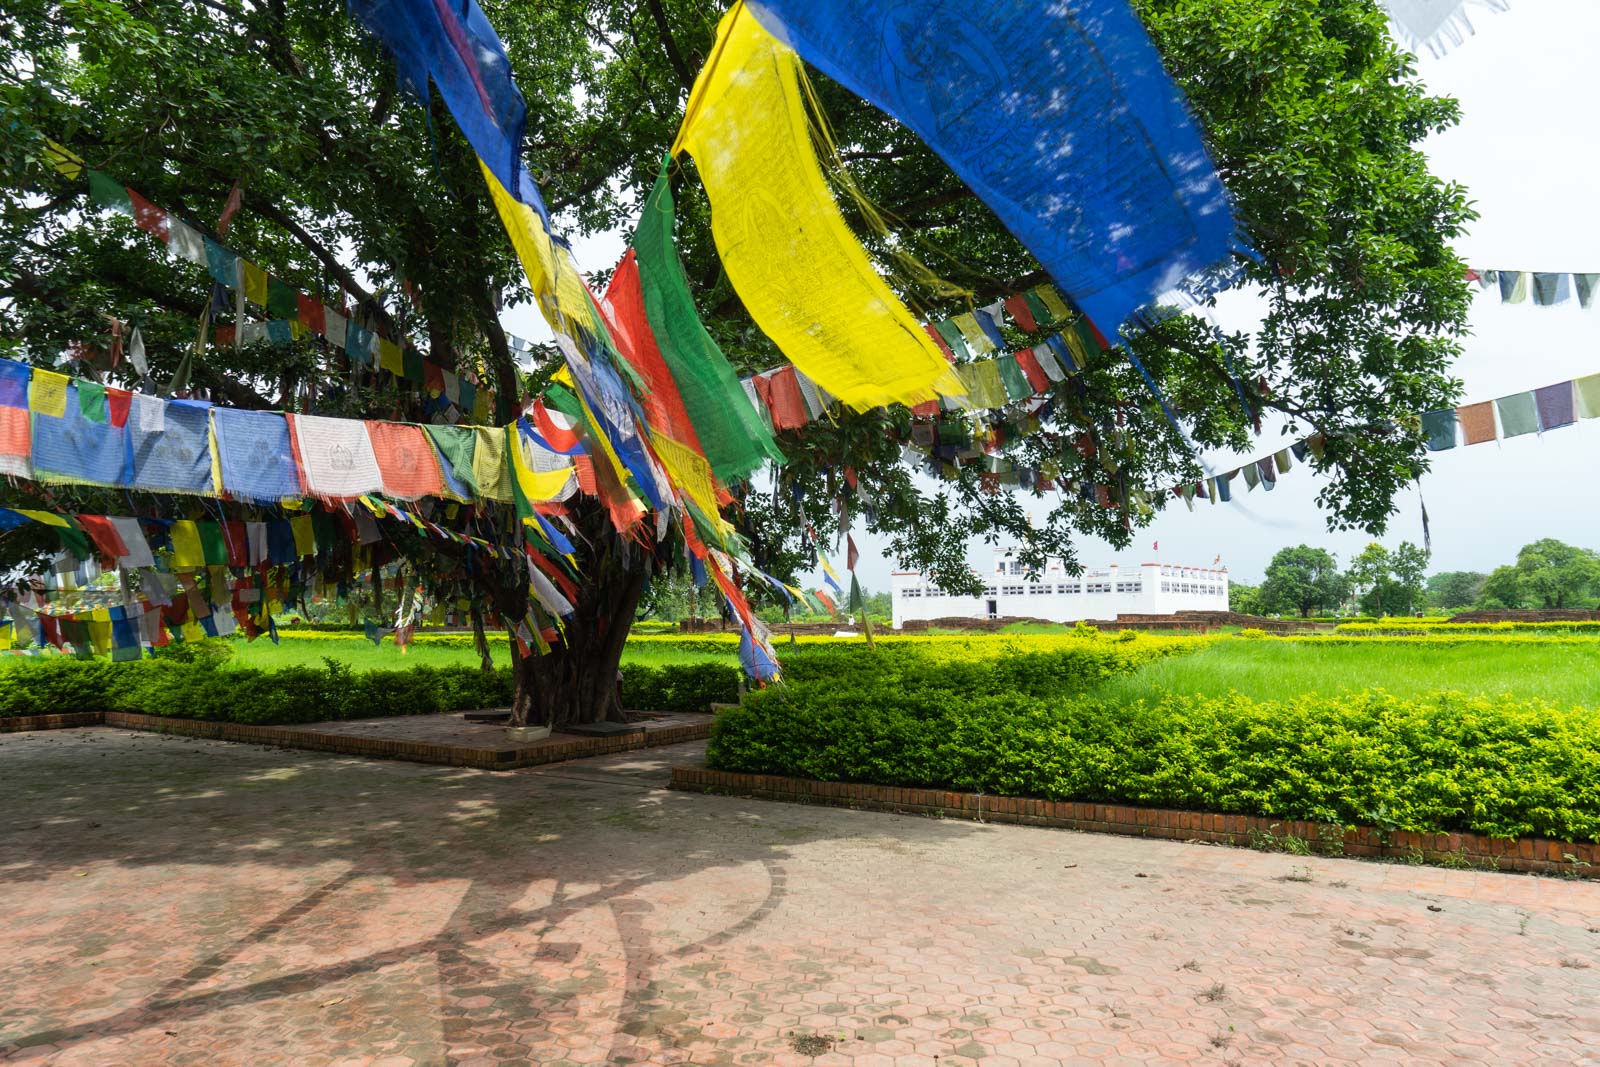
(201, 686)
(679, 686)
(1445, 762)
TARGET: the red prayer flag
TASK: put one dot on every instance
(229, 209)
(630, 327)
(851, 555)
(934, 334)
(1035, 373)
(105, 536)
(312, 313)
(1017, 306)
(118, 401)
(433, 377)
(149, 218)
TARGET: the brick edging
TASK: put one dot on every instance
(1535, 855)
(16, 724)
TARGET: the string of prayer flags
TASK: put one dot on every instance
(296, 315)
(802, 275)
(997, 94)
(1548, 408)
(1540, 288)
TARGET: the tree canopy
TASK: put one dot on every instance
(1311, 112)
(1302, 579)
(1548, 574)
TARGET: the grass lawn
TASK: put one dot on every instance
(1564, 674)
(362, 655)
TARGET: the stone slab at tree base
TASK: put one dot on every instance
(1532, 855)
(441, 738)
(604, 729)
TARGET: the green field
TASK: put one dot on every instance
(1566, 673)
(1562, 671)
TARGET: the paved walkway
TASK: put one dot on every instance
(171, 901)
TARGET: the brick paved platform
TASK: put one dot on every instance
(173, 900)
(441, 738)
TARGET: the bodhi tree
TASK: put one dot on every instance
(1311, 113)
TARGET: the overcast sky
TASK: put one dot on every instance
(1528, 151)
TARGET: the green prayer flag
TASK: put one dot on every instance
(324, 532)
(283, 300)
(106, 193)
(731, 432)
(412, 359)
(1036, 308)
(857, 602)
(74, 540)
(1519, 415)
(92, 401)
(1016, 382)
(212, 544)
(952, 337)
(456, 445)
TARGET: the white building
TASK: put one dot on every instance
(1148, 589)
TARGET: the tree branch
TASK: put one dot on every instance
(670, 44)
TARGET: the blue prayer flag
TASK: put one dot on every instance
(1057, 113)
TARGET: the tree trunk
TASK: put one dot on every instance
(577, 682)
(480, 640)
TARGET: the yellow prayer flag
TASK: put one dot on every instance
(100, 630)
(305, 536)
(46, 517)
(691, 475)
(66, 162)
(552, 273)
(47, 393)
(489, 468)
(801, 273)
(254, 281)
(192, 632)
(1053, 301)
(187, 551)
(972, 333)
(537, 486)
(7, 633)
(390, 358)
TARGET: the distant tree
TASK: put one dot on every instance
(1408, 568)
(1302, 578)
(1245, 599)
(1448, 590)
(1504, 588)
(1389, 581)
(1558, 575)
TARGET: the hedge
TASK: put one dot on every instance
(202, 688)
(1444, 763)
(1407, 627)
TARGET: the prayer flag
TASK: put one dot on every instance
(256, 455)
(405, 460)
(801, 273)
(1555, 406)
(335, 457)
(1518, 415)
(172, 447)
(1477, 422)
(1439, 429)
(996, 93)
